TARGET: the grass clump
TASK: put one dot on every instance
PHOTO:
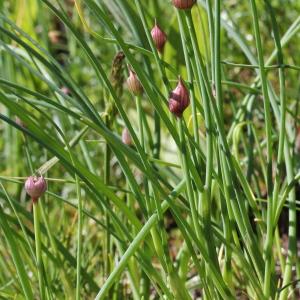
(170, 152)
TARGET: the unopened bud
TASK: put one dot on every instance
(159, 37)
(133, 83)
(183, 4)
(179, 99)
(126, 137)
(65, 90)
(35, 187)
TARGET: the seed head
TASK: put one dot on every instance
(183, 4)
(179, 99)
(159, 37)
(133, 83)
(35, 187)
(117, 73)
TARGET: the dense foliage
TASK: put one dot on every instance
(171, 165)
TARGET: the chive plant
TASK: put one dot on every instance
(179, 182)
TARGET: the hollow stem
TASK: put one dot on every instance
(268, 121)
(38, 249)
(79, 239)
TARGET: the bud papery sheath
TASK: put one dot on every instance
(179, 99)
(35, 187)
(159, 37)
(133, 83)
(126, 137)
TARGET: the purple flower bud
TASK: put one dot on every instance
(179, 99)
(134, 84)
(35, 187)
(183, 4)
(159, 37)
(126, 137)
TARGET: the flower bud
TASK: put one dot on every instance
(134, 84)
(35, 187)
(65, 90)
(159, 37)
(183, 4)
(179, 99)
(126, 137)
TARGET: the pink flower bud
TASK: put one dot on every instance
(35, 187)
(179, 99)
(134, 84)
(183, 4)
(65, 90)
(159, 37)
(126, 137)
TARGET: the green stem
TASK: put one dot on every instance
(145, 284)
(16, 256)
(139, 109)
(205, 197)
(79, 239)
(190, 77)
(66, 280)
(154, 50)
(217, 58)
(190, 193)
(38, 249)
(107, 153)
(229, 169)
(211, 37)
(206, 96)
(135, 244)
(268, 120)
(159, 238)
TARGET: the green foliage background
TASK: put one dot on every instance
(39, 55)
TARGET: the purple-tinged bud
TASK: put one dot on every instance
(35, 187)
(126, 137)
(159, 37)
(65, 90)
(183, 4)
(179, 99)
(133, 83)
